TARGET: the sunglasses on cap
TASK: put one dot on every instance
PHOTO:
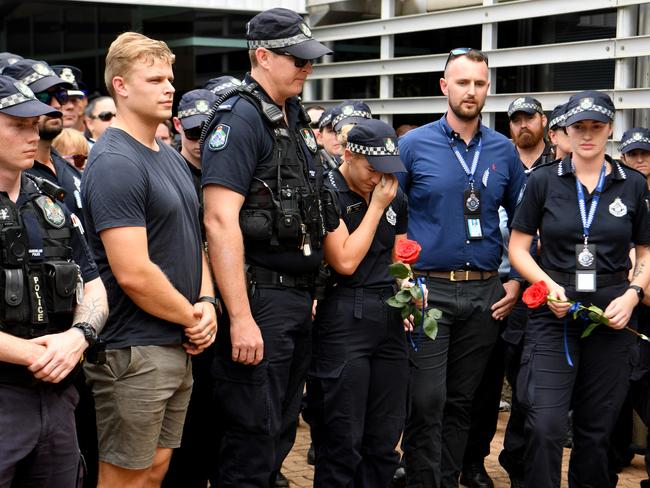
(464, 51)
(104, 116)
(193, 134)
(46, 97)
(297, 62)
(77, 159)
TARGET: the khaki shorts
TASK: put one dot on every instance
(141, 397)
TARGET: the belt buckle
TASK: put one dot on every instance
(452, 276)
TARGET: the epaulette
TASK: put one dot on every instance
(36, 185)
(627, 166)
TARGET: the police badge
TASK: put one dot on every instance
(310, 140)
(67, 75)
(52, 212)
(637, 136)
(586, 103)
(390, 145)
(41, 69)
(24, 89)
(617, 208)
(347, 110)
(202, 106)
(305, 30)
(391, 216)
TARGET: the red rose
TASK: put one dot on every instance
(535, 295)
(407, 251)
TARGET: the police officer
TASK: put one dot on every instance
(48, 164)
(527, 125)
(331, 149)
(193, 462)
(73, 111)
(54, 304)
(349, 112)
(557, 132)
(589, 209)
(635, 149)
(360, 355)
(262, 200)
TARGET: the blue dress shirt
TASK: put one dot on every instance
(435, 182)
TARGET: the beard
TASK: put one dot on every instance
(527, 139)
(464, 113)
(48, 130)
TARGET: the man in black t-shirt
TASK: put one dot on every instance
(142, 216)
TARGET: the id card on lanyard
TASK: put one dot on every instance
(471, 195)
(585, 252)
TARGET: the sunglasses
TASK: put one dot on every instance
(60, 95)
(77, 159)
(464, 51)
(104, 116)
(193, 134)
(297, 62)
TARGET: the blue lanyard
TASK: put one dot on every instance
(477, 154)
(588, 219)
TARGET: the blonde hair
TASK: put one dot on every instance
(70, 142)
(129, 48)
(342, 135)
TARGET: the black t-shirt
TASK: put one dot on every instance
(127, 184)
(67, 177)
(550, 204)
(232, 164)
(373, 268)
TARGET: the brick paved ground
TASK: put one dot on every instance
(302, 475)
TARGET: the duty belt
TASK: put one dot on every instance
(605, 279)
(267, 278)
(458, 275)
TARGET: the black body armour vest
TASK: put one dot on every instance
(286, 207)
(38, 279)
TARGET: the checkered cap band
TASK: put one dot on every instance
(593, 108)
(522, 106)
(279, 43)
(629, 141)
(12, 100)
(189, 112)
(356, 113)
(557, 120)
(372, 150)
(223, 86)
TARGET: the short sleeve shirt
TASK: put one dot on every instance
(248, 142)
(127, 184)
(550, 204)
(373, 269)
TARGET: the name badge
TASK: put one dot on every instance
(586, 267)
(473, 226)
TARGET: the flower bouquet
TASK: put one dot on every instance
(410, 299)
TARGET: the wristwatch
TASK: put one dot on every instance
(208, 299)
(639, 291)
(88, 331)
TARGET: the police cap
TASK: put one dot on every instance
(194, 106)
(326, 117)
(350, 112)
(37, 75)
(18, 100)
(557, 117)
(281, 28)
(589, 105)
(528, 105)
(636, 138)
(221, 84)
(8, 58)
(72, 75)
(377, 141)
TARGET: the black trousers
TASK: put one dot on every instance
(258, 404)
(360, 364)
(444, 376)
(596, 386)
(504, 361)
(194, 463)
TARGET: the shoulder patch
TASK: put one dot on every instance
(310, 140)
(52, 211)
(219, 138)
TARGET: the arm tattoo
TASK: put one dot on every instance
(638, 268)
(93, 311)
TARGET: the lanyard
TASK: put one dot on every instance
(588, 219)
(477, 154)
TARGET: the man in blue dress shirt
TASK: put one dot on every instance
(459, 173)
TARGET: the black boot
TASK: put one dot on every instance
(475, 476)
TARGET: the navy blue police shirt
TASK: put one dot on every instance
(232, 162)
(372, 271)
(550, 204)
(67, 177)
(434, 184)
(126, 184)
